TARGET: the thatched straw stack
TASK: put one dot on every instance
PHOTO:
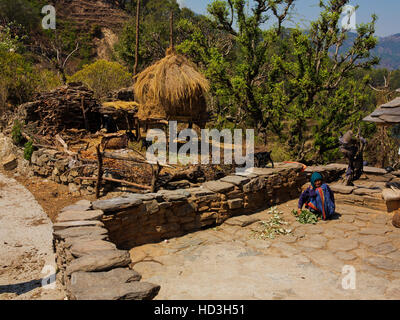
(172, 89)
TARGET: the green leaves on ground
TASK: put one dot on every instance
(306, 217)
(273, 227)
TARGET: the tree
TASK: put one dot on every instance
(154, 32)
(103, 77)
(291, 82)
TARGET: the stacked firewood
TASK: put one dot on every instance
(68, 107)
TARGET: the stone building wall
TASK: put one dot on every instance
(90, 267)
(137, 219)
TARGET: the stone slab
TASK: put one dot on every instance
(219, 186)
(100, 261)
(82, 205)
(372, 170)
(254, 185)
(236, 180)
(81, 248)
(241, 221)
(176, 195)
(80, 232)
(365, 191)
(340, 188)
(66, 216)
(235, 204)
(118, 284)
(390, 195)
(73, 224)
(116, 204)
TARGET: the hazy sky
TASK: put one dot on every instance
(388, 12)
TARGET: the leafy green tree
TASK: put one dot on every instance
(103, 77)
(154, 31)
(295, 83)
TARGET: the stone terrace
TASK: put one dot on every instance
(210, 251)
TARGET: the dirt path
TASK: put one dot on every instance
(322, 261)
(25, 245)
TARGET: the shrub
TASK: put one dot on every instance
(103, 77)
(28, 150)
(16, 133)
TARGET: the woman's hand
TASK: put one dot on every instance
(299, 211)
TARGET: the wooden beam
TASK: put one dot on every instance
(131, 184)
(99, 171)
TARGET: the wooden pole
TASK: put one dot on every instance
(131, 184)
(99, 171)
(156, 172)
(171, 31)
(137, 38)
(84, 113)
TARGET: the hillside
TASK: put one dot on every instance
(388, 49)
(86, 13)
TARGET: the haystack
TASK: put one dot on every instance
(172, 89)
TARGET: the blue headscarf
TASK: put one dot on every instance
(315, 176)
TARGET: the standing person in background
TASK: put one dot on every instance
(353, 149)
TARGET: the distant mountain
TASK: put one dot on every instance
(388, 49)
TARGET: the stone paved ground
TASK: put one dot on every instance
(25, 246)
(228, 262)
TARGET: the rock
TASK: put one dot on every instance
(200, 192)
(374, 231)
(10, 163)
(340, 188)
(396, 220)
(79, 249)
(69, 242)
(117, 204)
(236, 180)
(110, 286)
(73, 188)
(254, 185)
(235, 204)
(81, 232)
(372, 240)
(72, 224)
(176, 195)
(219, 186)
(390, 195)
(372, 170)
(263, 171)
(366, 192)
(83, 205)
(242, 221)
(100, 261)
(346, 256)
(342, 244)
(383, 249)
(383, 263)
(66, 216)
(314, 242)
(152, 207)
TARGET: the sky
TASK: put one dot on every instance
(307, 10)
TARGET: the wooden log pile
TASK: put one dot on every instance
(68, 107)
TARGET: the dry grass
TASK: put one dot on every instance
(171, 87)
(124, 105)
